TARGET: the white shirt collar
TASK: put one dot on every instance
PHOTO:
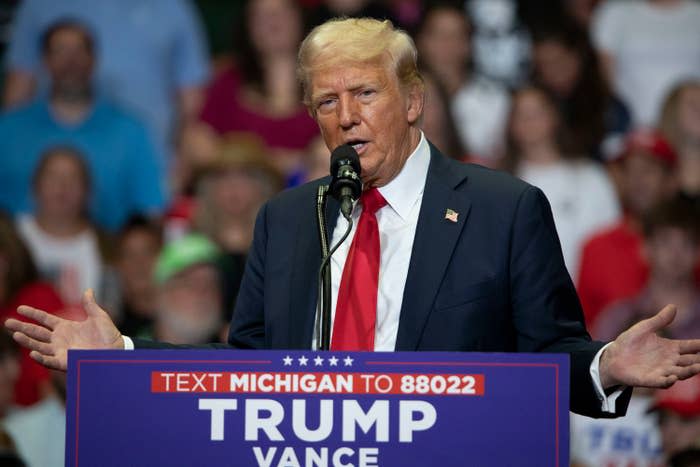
(406, 188)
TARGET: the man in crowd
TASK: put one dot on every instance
(443, 256)
(118, 151)
(612, 264)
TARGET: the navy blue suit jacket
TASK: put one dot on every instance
(494, 281)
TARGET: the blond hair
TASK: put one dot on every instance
(358, 41)
(668, 123)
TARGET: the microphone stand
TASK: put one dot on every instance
(323, 312)
(323, 315)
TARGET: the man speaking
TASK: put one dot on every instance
(441, 256)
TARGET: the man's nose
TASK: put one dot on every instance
(348, 112)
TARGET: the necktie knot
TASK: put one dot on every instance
(372, 201)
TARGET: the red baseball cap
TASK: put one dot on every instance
(651, 142)
(683, 398)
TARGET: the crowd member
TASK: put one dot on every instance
(65, 246)
(680, 123)
(612, 264)
(501, 42)
(138, 246)
(479, 106)
(438, 125)
(152, 58)
(678, 409)
(582, 197)
(19, 283)
(260, 94)
(671, 246)
(189, 296)
(565, 64)
(671, 243)
(43, 424)
(645, 48)
(229, 192)
(118, 152)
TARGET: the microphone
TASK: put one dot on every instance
(346, 185)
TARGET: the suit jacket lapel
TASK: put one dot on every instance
(304, 281)
(436, 237)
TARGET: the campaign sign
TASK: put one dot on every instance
(316, 409)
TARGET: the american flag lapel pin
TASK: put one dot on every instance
(451, 215)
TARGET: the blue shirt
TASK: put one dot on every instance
(146, 51)
(120, 156)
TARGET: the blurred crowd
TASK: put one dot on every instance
(139, 138)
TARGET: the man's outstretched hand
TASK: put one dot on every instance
(640, 357)
(50, 340)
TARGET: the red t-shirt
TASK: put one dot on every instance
(612, 268)
(225, 112)
(32, 375)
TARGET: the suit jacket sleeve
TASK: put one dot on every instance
(546, 310)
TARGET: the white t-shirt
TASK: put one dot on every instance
(583, 201)
(480, 110)
(653, 48)
(39, 433)
(71, 264)
(632, 440)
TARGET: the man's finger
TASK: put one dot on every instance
(689, 346)
(41, 317)
(48, 361)
(688, 360)
(688, 371)
(659, 321)
(39, 333)
(91, 307)
(32, 344)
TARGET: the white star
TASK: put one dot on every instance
(287, 360)
(333, 361)
(318, 361)
(302, 360)
(348, 361)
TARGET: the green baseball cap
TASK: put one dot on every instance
(183, 253)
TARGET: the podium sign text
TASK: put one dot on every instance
(316, 409)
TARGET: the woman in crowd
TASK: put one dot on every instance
(566, 65)
(20, 284)
(582, 198)
(479, 106)
(64, 243)
(680, 123)
(260, 94)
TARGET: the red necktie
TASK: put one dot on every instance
(356, 309)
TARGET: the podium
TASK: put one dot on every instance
(316, 409)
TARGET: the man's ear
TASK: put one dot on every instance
(414, 103)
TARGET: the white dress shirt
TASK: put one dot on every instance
(397, 222)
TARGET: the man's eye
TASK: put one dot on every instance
(325, 103)
(367, 92)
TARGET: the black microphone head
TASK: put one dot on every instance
(344, 155)
(345, 172)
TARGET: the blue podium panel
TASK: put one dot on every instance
(316, 409)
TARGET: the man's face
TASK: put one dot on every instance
(190, 304)
(645, 182)
(365, 106)
(671, 253)
(69, 61)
